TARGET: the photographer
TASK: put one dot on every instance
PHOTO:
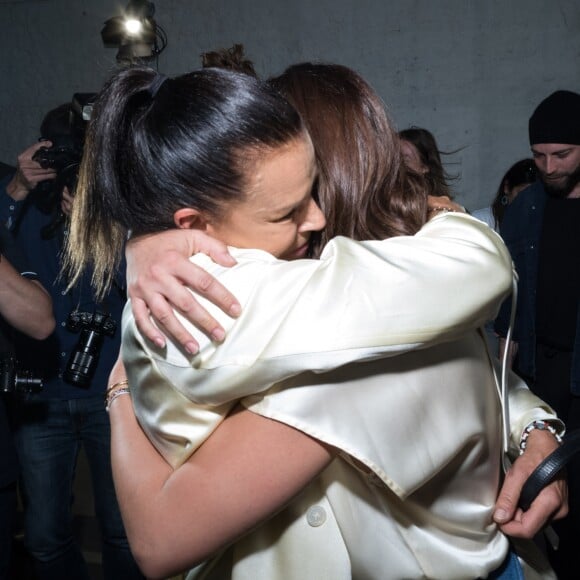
(74, 363)
(26, 307)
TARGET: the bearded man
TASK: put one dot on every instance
(542, 231)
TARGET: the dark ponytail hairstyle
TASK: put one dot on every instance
(156, 144)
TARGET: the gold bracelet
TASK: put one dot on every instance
(114, 394)
(440, 209)
(114, 386)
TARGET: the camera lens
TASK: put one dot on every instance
(83, 361)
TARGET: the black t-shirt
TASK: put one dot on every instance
(558, 288)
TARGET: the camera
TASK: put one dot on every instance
(64, 157)
(83, 361)
(65, 127)
(13, 380)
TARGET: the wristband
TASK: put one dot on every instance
(542, 426)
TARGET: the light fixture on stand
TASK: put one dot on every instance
(135, 33)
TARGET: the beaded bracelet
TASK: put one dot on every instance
(542, 426)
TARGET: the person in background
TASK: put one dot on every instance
(325, 451)
(519, 176)
(232, 58)
(25, 306)
(422, 154)
(73, 362)
(541, 228)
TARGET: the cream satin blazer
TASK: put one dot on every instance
(417, 427)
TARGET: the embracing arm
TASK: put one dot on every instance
(361, 300)
(149, 260)
(467, 267)
(249, 468)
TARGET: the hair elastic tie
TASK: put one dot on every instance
(156, 84)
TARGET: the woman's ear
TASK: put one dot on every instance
(188, 218)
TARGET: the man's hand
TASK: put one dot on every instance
(29, 173)
(551, 503)
(158, 272)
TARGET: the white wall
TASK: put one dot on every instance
(470, 71)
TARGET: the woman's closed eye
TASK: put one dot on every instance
(287, 216)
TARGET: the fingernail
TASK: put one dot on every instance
(235, 310)
(191, 347)
(159, 342)
(218, 334)
(229, 258)
(500, 515)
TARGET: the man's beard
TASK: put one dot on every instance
(563, 188)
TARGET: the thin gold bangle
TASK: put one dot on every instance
(114, 386)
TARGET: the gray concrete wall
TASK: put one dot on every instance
(470, 71)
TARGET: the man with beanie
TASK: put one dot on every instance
(542, 230)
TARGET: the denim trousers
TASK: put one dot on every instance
(511, 569)
(48, 438)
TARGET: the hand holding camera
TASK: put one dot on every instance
(29, 172)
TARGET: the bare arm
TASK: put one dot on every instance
(454, 254)
(24, 303)
(158, 272)
(157, 276)
(249, 468)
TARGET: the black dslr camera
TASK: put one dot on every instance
(66, 130)
(64, 157)
(13, 380)
(93, 326)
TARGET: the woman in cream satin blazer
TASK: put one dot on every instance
(418, 435)
(305, 325)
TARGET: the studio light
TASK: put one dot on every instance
(135, 33)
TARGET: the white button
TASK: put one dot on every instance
(63, 293)
(63, 323)
(63, 354)
(316, 516)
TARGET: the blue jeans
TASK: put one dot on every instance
(48, 437)
(511, 569)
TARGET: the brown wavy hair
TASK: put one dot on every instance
(438, 179)
(363, 187)
(232, 58)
